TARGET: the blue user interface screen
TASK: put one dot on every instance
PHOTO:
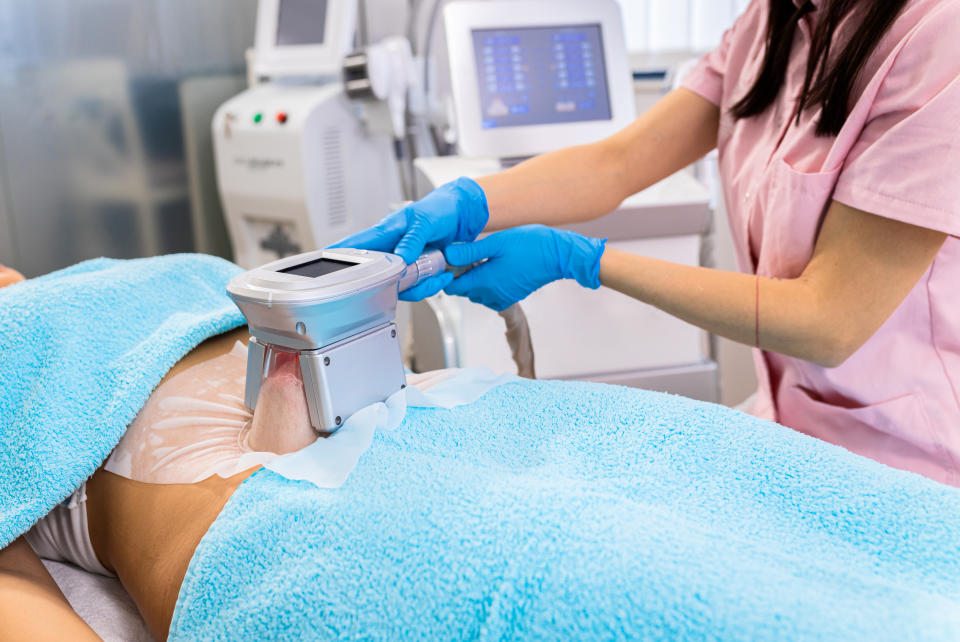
(541, 75)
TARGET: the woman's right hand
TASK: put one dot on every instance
(455, 212)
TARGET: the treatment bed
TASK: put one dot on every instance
(102, 602)
(541, 510)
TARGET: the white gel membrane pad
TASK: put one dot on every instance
(328, 462)
(195, 425)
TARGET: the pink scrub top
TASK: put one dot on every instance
(898, 156)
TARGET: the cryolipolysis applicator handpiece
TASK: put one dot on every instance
(427, 265)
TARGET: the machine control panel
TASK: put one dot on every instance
(541, 75)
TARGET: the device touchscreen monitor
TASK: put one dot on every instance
(317, 267)
(530, 76)
(301, 22)
(541, 75)
(303, 37)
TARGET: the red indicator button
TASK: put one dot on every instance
(281, 117)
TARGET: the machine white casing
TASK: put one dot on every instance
(288, 183)
(321, 59)
(286, 179)
(463, 17)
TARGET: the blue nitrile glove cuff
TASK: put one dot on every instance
(580, 257)
(508, 266)
(472, 211)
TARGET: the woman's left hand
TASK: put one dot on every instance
(518, 261)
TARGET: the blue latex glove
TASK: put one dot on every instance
(455, 212)
(518, 261)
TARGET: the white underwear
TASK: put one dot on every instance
(63, 536)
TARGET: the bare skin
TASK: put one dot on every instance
(9, 276)
(822, 316)
(585, 182)
(145, 533)
(26, 592)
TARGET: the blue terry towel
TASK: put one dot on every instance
(550, 510)
(80, 351)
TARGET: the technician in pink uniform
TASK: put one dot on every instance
(838, 129)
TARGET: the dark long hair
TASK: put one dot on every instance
(827, 83)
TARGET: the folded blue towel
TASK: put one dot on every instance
(582, 511)
(82, 348)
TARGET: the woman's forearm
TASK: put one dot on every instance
(862, 268)
(569, 185)
(783, 314)
(585, 182)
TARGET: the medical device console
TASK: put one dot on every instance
(334, 311)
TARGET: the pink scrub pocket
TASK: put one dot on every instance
(895, 431)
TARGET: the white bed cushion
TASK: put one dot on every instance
(102, 602)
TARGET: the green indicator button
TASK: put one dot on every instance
(257, 117)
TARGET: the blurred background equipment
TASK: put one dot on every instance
(95, 142)
(106, 144)
(307, 155)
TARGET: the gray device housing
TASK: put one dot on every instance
(340, 325)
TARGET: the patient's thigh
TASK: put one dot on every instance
(31, 604)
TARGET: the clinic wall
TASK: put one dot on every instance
(654, 26)
(95, 144)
